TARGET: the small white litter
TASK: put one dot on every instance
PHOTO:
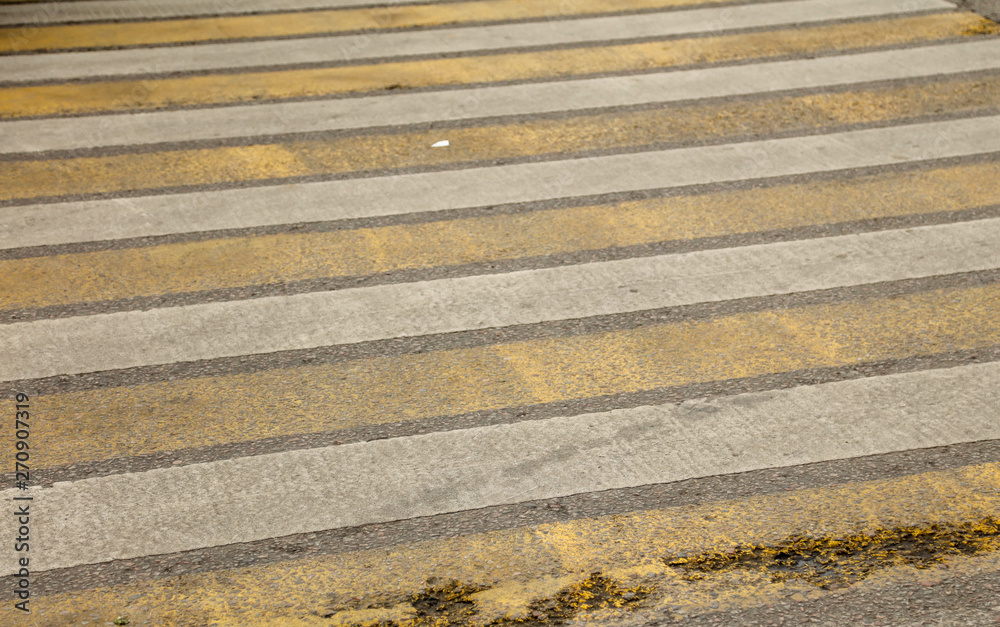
(440, 144)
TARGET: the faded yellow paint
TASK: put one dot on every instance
(92, 97)
(388, 151)
(288, 257)
(114, 422)
(631, 548)
(368, 19)
(753, 344)
(89, 175)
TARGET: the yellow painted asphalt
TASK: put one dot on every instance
(512, 569)
(268, 259)
(344, 155)
(177, 414)
(209, 89)
(368, 19)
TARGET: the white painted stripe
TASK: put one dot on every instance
(59, 223)
(39, 13)
(205, 505)
(71, 65)
(348, 113)
(265, 325)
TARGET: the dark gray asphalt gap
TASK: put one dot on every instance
(986, 8)
(955, 600)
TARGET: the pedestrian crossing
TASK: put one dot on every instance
(527, 36)
(338, 578)
(486, 466)
(689, 284)
(517, 99)
(75, 222)
(320, 21)
(299, 322)
(96, 96)
(299, 258)
(298, 159)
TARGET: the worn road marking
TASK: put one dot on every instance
(287, 257)
(553, 138)
(37, 13)
(217, 423)
(161, 416)
(532, 98)
(105, 96)
(81, 221)
(517, 565)
(259, 54)
(279, 323)
(424, 475)
(348, 19)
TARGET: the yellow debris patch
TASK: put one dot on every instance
(850, 558)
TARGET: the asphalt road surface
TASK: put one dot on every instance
(500, 312)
